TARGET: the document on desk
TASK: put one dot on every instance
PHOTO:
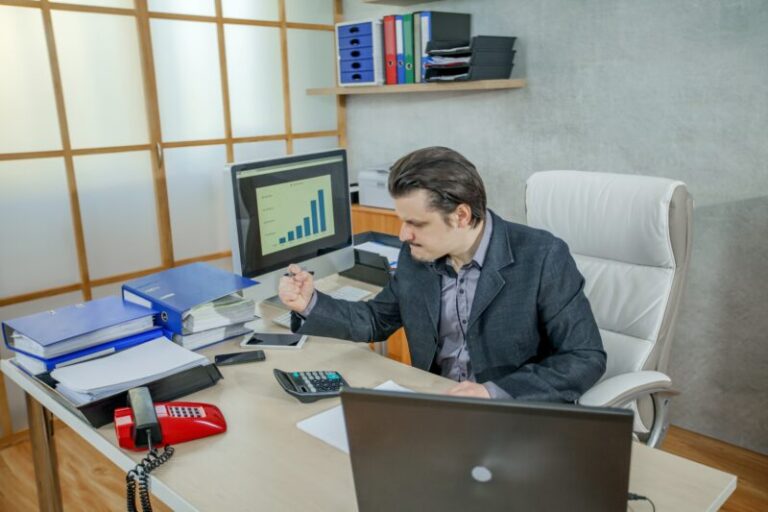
(329, 425)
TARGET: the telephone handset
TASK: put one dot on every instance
(146, 425)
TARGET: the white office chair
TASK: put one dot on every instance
(631, 239)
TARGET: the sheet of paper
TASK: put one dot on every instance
(157, 358)
(391, 253)
(329, 425)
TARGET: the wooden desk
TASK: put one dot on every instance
(264, 462)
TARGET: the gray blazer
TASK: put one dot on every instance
(531, 330)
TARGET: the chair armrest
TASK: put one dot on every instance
(619, 390)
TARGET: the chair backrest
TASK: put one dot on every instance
(631, 239)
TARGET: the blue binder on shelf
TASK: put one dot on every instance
(400, 48)
(73, 329)
(35, 364)
(175, 291)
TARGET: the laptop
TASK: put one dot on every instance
(419, 452)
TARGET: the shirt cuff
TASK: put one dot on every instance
(495, 391)
(312, 302)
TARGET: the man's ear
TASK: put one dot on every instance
(463, 215)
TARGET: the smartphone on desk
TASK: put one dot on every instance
(239, 358)
(271, 340)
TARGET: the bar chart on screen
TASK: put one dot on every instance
(295, 213)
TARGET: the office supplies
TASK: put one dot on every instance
(399, 48)
(408, 47)
(484, 58)
(311, 386)
(539, 456)
(98, 378)
(51, 334)
(239, 358)
(440, 26)
(289, 210)
(176, 292)
(418, 75)
(208, 337)
(167, 422)
(350, 293)
(390, 50)
(376, 256)
(274, 340)
(360, 52)
(328, 426)
(36, 365)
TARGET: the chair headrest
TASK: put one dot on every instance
(621, 217)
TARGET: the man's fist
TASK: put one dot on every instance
(471, 389)
(296, 289)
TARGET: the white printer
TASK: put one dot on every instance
(373, 188)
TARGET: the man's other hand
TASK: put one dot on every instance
(296, 289)
(471, 389)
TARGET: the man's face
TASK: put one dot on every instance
(425, 230)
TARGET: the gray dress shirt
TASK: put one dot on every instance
(458, 292)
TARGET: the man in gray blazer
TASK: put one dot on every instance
(496, 306)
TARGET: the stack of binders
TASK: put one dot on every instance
(485, 58)
(197, 305)
(45, 341)
(406, 37)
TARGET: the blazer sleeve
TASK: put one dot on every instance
(574, 357)
(372, 320)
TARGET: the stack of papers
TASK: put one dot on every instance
(85, 382)
(229, 310)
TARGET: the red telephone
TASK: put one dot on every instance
(176, 422)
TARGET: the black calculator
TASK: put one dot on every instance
(311, 386)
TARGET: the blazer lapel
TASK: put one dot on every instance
(491, 282)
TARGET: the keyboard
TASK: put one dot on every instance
(350, 293)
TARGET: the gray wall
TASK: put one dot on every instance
(657, 87)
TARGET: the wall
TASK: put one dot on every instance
(675, 89)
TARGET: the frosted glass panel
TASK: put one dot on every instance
(259, 150)
(310, 65)
(265, 10)
(35, 227)
(106, 290)
(256, 96)
(126, 4)
(28, 120)
(315, 144)
(188, 79)
(117, 203)
(102, 79)
(196, 199)
(309, 11)
(199, 7)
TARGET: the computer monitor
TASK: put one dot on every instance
(287, 210)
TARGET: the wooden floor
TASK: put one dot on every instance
(90, 482)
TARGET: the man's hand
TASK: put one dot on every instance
(471, 389)
(296, 289)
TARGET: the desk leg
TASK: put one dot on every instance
(44, 456)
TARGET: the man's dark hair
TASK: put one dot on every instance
(448, 177)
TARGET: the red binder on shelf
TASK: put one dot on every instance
(390, 51)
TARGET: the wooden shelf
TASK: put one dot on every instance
(396, 2)
(471, 85)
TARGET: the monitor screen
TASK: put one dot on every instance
(291, 210)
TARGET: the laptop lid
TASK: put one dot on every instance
(421, 452)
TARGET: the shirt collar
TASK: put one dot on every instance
(478, 259)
